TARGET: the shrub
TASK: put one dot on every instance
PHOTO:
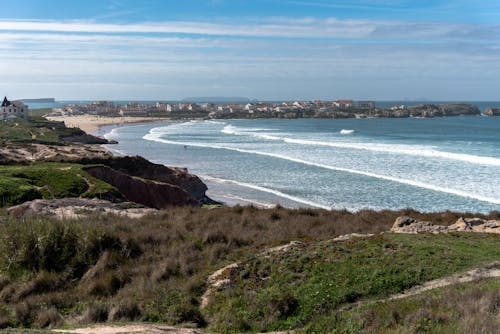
(95, 313)
(48, 318)
(125, 311)
(44, 282)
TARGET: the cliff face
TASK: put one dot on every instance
(154, 194)
(146, 170)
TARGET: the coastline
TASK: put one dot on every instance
(91, 123)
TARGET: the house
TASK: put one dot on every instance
(366, 105)
(344, 104)
(12, 110)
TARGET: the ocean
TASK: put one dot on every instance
(427, 164)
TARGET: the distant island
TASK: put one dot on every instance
(39, 100)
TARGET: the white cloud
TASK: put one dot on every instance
(277, 27)
(271, 58)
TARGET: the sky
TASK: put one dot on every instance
(260, 49)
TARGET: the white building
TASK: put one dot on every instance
(13, 110)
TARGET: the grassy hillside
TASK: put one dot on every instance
(37, 130)
(308, 284)
(462, 308)
(155, 269)
(49, 180)
(33, 113)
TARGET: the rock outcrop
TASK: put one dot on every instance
(87, 139)
(428, 110)
(492, 112)
(407, 224)
(476, 225)
(154, 194)
(144, 169)
(69, 208)
(139, 167)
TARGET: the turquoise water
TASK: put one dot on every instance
(427, 164)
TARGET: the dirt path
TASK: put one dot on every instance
(488, 271)
(132, 328)
(136, 329)
(491, 270)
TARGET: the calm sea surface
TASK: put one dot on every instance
(427, 164)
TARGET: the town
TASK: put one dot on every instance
(212, 109)
(297, 109)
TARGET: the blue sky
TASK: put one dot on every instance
(264, 49)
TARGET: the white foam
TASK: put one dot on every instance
(157, 137)
(414, 150)
(111, 134)
(216, 122)
(267, 190)
(346, 132)
(233, 130)
(223, 196)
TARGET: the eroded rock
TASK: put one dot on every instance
(407, 224)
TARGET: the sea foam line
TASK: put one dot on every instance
(156, 137)
(259, 204)
(267, 190)
(384, 148)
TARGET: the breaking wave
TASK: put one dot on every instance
(156, 134)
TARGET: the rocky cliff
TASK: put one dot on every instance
(154, 194)
(138, 167)
(492, 112)
(428, 110)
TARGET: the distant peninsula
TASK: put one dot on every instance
(39, 100)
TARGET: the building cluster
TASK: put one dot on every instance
(13, 110)
(139, 108)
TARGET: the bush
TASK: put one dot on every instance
(95, 313)
(48, 318)
(125, 311)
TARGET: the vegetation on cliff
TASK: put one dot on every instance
(51, 180)
(37, 130)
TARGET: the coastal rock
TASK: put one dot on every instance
(219, 280)
(88, 139)
(350, 236)
(476, 225)
(442, 110)
(70, 208)
(459, 109)
(407, 224)
(492, 112)
(154, 194)
(144, 169)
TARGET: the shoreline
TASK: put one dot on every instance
(91, 124)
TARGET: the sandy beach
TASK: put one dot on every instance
(91, 123)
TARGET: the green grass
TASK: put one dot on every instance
(302, 286)
(32, 113)
(16, 190)
(37, 129)
(462, 308)
(49, 180)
